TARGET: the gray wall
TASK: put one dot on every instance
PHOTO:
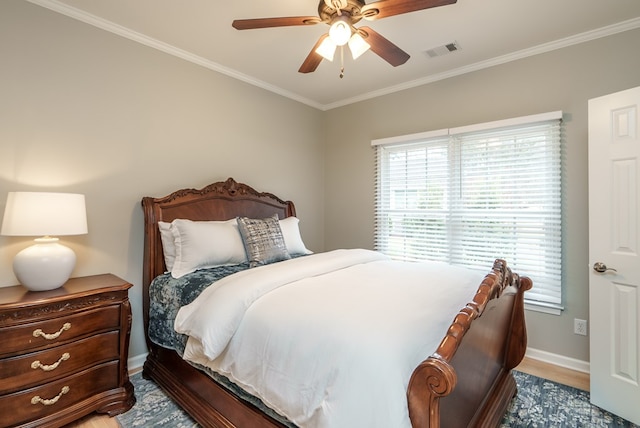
(83, 110)
(560, 80)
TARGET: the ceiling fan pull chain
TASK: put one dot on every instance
(341, 62)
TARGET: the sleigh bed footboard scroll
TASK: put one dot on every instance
(469, 383)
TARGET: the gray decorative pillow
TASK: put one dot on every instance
(263, 240)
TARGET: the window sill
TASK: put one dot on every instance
(546, 308)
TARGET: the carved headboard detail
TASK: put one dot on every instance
(222, 200)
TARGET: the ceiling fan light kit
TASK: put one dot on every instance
(358, 46)
(327, 49)
(340, 30)
(341, 33)
(341, 16)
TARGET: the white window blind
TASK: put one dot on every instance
(474, 194)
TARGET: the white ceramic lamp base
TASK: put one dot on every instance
(46, 265)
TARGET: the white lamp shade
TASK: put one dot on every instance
(46, 264)
(326, 49)
(357, 45)
(41, 214)
(340, 31)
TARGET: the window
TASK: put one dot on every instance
(469, 195)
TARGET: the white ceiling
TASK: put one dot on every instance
(488, 32)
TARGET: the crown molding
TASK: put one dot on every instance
(114, 28)
(127, 33)
(610, 30)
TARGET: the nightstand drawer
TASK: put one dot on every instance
(40, 367)
(49, 333)
(36, 403)
(65, 350)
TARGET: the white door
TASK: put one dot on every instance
(614, 243)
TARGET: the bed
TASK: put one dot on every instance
(466, 381)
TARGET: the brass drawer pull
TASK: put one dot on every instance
(48, 336)
(54, 400)
(38, 365)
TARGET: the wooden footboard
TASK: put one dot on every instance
(467, 382)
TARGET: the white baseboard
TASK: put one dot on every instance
(558, 360)
(135, 363)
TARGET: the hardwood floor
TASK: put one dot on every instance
(95, 421)
(534, 367)
(555, 373)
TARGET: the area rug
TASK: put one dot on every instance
(539, 404)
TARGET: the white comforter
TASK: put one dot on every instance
(327, 340)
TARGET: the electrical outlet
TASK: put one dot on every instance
(580, 327)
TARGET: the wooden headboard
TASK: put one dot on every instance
(223, 200)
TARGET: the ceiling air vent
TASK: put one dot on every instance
(443, 50)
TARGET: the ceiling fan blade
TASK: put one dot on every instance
(383, 8)
(313, 60)
(249, 24)
(383, 47)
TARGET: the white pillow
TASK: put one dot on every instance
(168, 247)
(291, 234)
(205, 244)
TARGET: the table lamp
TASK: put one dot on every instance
(47, 264)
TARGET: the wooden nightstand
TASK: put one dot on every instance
(63, 353)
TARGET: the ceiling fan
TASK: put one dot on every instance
(341, 16)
